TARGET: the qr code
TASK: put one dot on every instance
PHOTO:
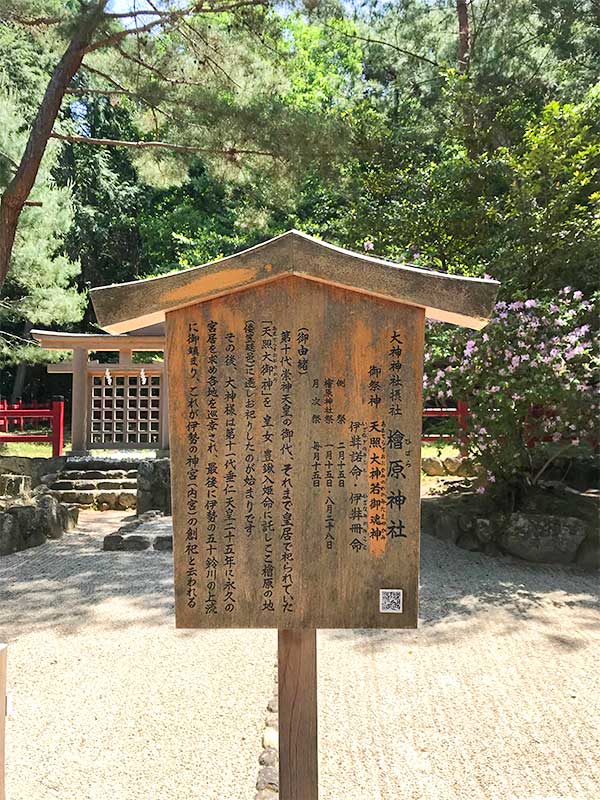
(390, 601)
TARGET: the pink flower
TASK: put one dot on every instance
(368, 245)
(577, 295)
(576, 351)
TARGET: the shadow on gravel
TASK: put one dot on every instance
(459, 587)
(61, 583)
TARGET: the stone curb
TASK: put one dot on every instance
(267, 783)
(129, 537)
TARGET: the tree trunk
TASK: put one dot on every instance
(464, 36)
(20, 186)
(19, 382)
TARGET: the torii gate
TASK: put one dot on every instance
(122, 405)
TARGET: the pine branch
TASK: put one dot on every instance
(169, 17)
(232, 153)
(102, 92)
(155, 71)
(32, 22)
(395, 47)
(90, 23)
(104, 75)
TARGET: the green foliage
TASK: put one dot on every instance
(550, 222)
(108, 197)
(40, 289)
(530, 377)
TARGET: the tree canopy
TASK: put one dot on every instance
(462, 136)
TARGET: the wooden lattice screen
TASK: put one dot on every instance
(125, 409)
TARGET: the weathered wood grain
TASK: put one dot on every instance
(298, 740)
(336, 584)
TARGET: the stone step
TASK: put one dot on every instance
(149, 531)
(96, 474)
(137, 541)
(98, 497)
(87, 485)
(85, 463)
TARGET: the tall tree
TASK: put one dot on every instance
(464, 35)
(169, 60)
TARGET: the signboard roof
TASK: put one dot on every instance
(449, 298)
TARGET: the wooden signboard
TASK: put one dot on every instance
(295, 440)
(295, 375)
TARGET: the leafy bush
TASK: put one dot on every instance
(529, 378)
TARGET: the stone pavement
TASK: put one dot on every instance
(496, 697)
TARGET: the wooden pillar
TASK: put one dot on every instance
(164, 406)
(3, 710)
(298, 747)
(79, 402)
(125, 358)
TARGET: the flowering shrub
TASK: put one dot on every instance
(530, 379)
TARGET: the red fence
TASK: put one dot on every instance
(15, 414)
(462, 413)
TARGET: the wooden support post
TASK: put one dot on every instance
(79, 401)
(3, 709)
(125, 358)
(298, 747)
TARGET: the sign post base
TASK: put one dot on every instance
(298, 747)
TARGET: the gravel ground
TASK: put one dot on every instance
(496, 697)
(110, 701)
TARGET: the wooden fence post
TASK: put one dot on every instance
(3, 709)
(463, 423)
(298, 747)
(58, 426)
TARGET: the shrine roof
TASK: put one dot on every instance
(138, 304)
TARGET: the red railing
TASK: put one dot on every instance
(17, 413)
(462, 413)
